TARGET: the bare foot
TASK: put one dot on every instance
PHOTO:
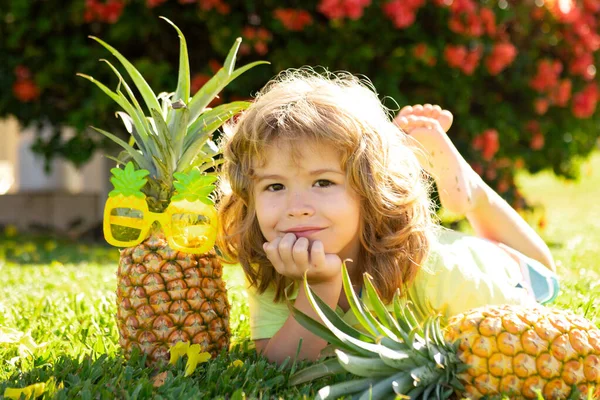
(444, 117)
(456, 181)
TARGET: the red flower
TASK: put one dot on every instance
(293, 20)
(25, 90)
(561, 93)
(537, 141)
(455, 55)
(402, 13)
(104, 12)
(488, 20)
(471, 61)
(219, 5)
(547, 75)
(257, 38)
(592, 6)
(154, 3)
(564, 10)
(334, 9)
(502, 55)
(112, 11)
(584, 102)
(22, 72)
(584, 66)
(541, 106)
(491, 144)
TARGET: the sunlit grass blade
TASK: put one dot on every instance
(143, 87)
(316, 371)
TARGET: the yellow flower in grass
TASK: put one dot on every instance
(236, 364)
(30, 392)
(193, 353)
(195, 358)
(178, 350)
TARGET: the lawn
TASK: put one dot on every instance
(57, 307)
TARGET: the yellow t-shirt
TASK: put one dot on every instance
(461, 272)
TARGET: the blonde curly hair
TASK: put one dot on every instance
(344, 111)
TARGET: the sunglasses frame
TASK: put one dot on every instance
(164, 218)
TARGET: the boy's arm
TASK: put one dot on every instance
(285, 342)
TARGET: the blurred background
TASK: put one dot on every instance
(519, 76)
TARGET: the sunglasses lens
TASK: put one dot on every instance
(126, 223)
(191, 230)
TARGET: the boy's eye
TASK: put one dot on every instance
(323, 183)
(274, 187)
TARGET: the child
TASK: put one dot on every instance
(315, 173)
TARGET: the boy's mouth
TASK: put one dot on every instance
(306, 231)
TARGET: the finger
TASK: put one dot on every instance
(435, 111)
(285, 250)
(272, 252)
(300, 253)
(427, 109)
(317, 254)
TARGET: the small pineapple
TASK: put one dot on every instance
(491, 351)
(165, 296)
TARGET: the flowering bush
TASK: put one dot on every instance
(519, 75)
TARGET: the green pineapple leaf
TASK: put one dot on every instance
(128, 181)
(194, 186)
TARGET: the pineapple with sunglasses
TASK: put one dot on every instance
(169, 280)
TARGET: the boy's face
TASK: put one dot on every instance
(309, 196)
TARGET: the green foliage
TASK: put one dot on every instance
(128, 181)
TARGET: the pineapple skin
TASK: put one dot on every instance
(513, 350)
(166, 296)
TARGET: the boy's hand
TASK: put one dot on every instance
(291, 257)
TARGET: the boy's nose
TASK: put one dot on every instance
(299, 206)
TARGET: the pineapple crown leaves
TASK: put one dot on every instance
(168, 141)
(128, 181)
(392, 353)
(194, 186)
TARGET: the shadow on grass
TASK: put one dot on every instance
(100, 376)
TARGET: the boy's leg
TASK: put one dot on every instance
(462, 191)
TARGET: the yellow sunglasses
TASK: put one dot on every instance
(189, 226)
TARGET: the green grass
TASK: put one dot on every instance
(62, 293)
